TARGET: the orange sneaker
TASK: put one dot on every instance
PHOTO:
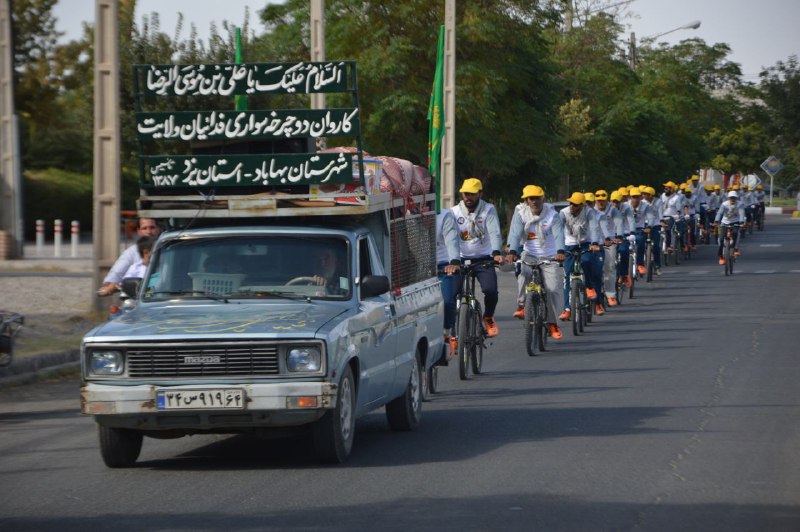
(735, 252)
(565, 316)
(598, 309)
(491, 327)
(612, 302)
(519, 313)
(453, 341)
(591, 294)
(721, 261)
(627, 281)
(641, 269)
(555, 331)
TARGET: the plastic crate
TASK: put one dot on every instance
(217, 283)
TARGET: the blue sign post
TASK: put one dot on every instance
(771, 166)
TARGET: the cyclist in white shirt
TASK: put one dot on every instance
(691, 210)
(648, 195)
(672, 213)
(730, 212)
(644, 219)
(536, 234)
(581, 231)
(480, 239)
(626, 228)
(610, 225)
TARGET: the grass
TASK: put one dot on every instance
(45, 336)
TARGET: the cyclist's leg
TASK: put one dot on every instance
(655, 236)
(553, 278)
(588, 265)
(524, 277)
(736, 234)
(487, 278)
(450, 285)
(624, 258)
(721, 240)
(681, 223)
(569, 263)
(640, 244)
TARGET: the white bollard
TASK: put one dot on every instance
(39, 238)
(57, 230)
(75, 234)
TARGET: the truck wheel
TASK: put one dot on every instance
(405, 411)
(433, 381)
(333, 433)
(119, 447)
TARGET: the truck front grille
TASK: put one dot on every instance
(205, 360)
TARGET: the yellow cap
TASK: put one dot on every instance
(577, 198)
(623, 191)
(471, 186)
(735, 187)
(628, 187)
(670, 184)
(616, 196)
(688, 188)
(601, 194)
(707, 188)
(650, 190)
(759, 187)
(695, 178)
(717, 187)
(635, 191)
(683, 186)
(532, 191)
(589, 196)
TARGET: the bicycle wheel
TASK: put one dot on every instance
(729, 264)
(477, 336)
(574, 304)
(541, 321)
(463, 323)
(648, 262)
(634, 274)
(531, 313)
(582, 306)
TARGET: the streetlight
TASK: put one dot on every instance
(689, 26)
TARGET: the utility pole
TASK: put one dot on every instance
(106, 142)
(633, 51)
(11, 226)
(448, 170)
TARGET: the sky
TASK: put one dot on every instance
(760, 33)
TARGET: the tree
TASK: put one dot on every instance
(780, 91)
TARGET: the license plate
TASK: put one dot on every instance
(199, 399)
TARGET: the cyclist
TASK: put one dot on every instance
(691, 209)
(670, 214)
(625, 230)
(581, 231)
(730, 212)
(761, 198)
(537, 231)
(610, 224)
(480, 239)
(648, 195)
(702, 200)
(645, 217)
(448, 260)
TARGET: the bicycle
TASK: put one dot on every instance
(633, 271)
(727, 247)
(470, 332)
(535, 322)
(666, 254)
(10, 324)
(760, 216)
(578, 301)
(688, 238)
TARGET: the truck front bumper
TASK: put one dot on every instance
(265, 405)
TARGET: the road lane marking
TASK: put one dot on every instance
(765, 271)
(699, 272)
(771, 245)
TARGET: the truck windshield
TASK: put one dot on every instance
(251, 267)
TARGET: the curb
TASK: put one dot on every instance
(31, 369)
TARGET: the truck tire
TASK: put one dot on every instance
(405, 411)
(333, 434)
(119, 447)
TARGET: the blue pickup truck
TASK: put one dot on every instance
(276, 324)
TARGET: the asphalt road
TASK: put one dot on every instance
(677, 411)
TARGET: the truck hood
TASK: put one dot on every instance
(243, 320)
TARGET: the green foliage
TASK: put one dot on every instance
(52, 194)
(780, 91)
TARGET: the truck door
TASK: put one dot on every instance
(377, 341)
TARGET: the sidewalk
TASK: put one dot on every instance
(52, 293)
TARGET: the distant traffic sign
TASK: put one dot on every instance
(772, 165)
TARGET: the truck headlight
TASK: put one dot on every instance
(106, 363)
(304, 359)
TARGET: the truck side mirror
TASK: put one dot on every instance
(374, 285)
(130, 286)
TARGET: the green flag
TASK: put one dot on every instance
(239, 101)
(436, 116)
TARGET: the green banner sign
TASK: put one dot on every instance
(248, 170)
(205, 125)
(257, 78)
